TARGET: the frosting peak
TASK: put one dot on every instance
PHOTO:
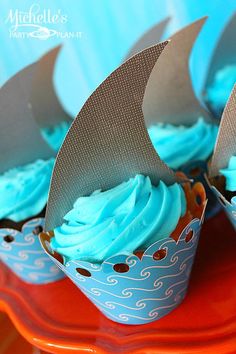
(218, 92)
(24, 190)
(177, 145)
(230, 174)
(123, 219)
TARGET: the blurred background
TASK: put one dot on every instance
(96, 37)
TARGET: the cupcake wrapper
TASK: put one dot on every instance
(197, 170)
(130, 290)
(229, 208)
(23, 254)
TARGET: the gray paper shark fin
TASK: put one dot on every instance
(225, 51)
(46, 107)
(226, 141)
(149, 38)
(108, 141)
(169, 96)
(20, 138)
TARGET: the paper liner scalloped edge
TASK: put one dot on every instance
(149, 289)
(106, 283)
(25, 256)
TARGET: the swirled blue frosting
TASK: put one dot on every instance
(24, 190)
(55, 135)
(230, 175)
(177, 145)
(123, 219)
(218, 92)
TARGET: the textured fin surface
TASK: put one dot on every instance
(20, 141)
(46, 107)
(108, 142)
(150, 287)
(226, 141)
(169, 96)
(225, 51)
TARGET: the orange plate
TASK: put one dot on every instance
(59, 319)
(11, 341)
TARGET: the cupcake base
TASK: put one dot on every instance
(141, 288)
(21, 251)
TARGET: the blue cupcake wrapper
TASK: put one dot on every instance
(130, 290)
(22, 253)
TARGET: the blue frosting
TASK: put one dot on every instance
(24, 190)
(230, 174)
(123, 219)
(177, 145)
(55, 135)
(218, 92)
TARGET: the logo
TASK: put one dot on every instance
(39, 24)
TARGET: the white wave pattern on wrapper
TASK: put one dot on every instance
(229, 207)
(38, 264)
(21, 257)
(25, 256)
(177, 296)
(149, 289)
(98, 292)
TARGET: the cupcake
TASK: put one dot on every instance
(119, 222)
(184, 145)
(222, 71)
(181, 130)
(222, 172)
(26, 167)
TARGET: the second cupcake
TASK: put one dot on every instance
(26, 167)
(119, 223)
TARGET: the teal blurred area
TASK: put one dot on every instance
(108, 30)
